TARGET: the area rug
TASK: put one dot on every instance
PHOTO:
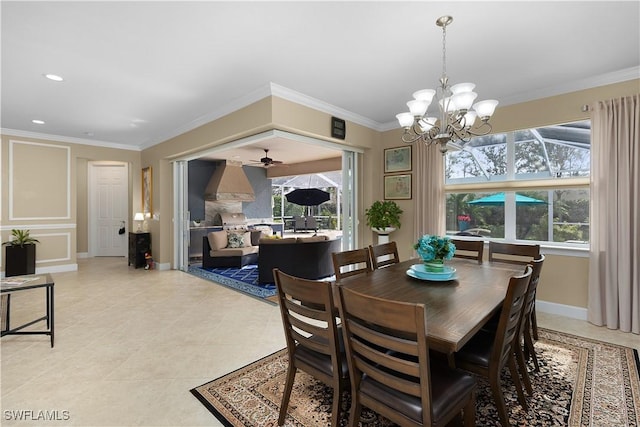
(243, 279)
(582, 382)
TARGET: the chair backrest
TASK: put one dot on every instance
(530, 300)
(387, 251)
(513, 253)
(509, 323)
(311, 222)
(299, 221)
(386, 341)
(308, 316)
(349, 263)
(469, 249)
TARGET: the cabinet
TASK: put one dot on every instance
(139, 244)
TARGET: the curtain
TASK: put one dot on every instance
(614, 258)
(429, 206)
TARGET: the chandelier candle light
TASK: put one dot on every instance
(457, 114)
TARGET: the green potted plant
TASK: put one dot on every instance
(383, 217)
(20, 255)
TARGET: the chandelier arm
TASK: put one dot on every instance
(482, 130)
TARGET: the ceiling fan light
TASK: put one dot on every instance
(462, 87)
(463, 100)
(405, 119)
(417, 108)
(485, 108)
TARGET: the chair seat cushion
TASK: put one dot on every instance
(449, 387)
(323, 361)
(478, 350)
(227, 252)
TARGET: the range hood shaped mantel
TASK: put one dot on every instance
(229, 183)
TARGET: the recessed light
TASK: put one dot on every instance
(38, 122)
(54, 77)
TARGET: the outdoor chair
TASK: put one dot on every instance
(314, 342)
(391, 373)
(488, 352)
(311, 223)
(384, 254)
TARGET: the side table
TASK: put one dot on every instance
(139, 244)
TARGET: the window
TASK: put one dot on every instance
(528, 185)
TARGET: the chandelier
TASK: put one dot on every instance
(457, 115)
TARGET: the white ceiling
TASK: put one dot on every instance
(138, 73)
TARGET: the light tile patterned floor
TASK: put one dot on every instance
(130, 344)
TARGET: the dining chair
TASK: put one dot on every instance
(352, 262)
(488, 352)
(314, 342)
(528, 314)
(515, 253)
(471, 249)
(391, 373)
(387, 251)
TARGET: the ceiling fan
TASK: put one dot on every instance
(267, 161)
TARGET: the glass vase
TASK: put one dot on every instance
(434, 266)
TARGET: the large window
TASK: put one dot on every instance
(530, 185)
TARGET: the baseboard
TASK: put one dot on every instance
(57, 268)
(162, 266)
(82, 255)
(570, 311)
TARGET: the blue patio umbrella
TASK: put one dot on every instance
(498, 200)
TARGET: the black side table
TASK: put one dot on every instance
(139, 244)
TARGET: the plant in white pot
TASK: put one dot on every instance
(383, 217)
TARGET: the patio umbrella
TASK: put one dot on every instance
(307, 196)
(498, 200)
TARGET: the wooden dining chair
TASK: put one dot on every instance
(352, 262)
(488, 352)
(384, 254)
(528, 314)
(469, 249)
(391, 373)
(515, 253)
(313, 341)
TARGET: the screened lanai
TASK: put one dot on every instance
(327, 214)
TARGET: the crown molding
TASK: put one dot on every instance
(68, 139)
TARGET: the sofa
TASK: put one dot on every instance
(305, 257)
(230, 248)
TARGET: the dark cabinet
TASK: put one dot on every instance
(139, 244)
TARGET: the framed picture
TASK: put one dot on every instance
(397, 186)
(147, 191)
(397, 159)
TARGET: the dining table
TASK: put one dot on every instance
(456, 308)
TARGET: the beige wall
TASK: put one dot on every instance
(44, 189)
(564, 279)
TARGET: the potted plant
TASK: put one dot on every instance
(20, 255)
(383, 217)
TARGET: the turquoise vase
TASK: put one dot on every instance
(434, 266)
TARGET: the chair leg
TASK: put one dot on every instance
(498, 397)
(529, 347)
(284, 405)
(470, 411)
(522, 366)
(356, 409)
(516, 379)
(534, 322)
(335, 408)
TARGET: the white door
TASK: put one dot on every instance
(108, 207)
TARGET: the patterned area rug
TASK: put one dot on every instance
(581, 382)
(243, 279)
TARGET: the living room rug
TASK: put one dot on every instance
(582, 382)
(243, 279)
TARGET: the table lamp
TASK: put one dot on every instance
(139, 216)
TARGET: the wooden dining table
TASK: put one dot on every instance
(456, 309)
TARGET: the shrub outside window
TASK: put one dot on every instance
(528, 185)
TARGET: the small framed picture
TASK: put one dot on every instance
(397, 186)
(397, 159)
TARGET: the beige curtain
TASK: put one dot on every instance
(429, 215)
(614, 261)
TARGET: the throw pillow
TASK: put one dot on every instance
(235, 240)
(217, 240)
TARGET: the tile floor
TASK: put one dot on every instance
(130, 344)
